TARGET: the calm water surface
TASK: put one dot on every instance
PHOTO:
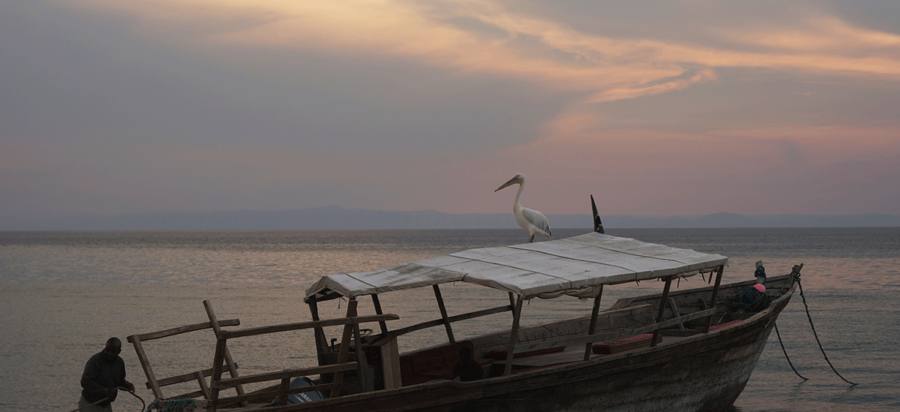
(62, 294)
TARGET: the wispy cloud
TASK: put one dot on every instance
(132, 105)
(504, 42)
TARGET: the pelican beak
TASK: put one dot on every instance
(511, 182)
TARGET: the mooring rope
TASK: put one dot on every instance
(796, 277)
(143, 404)
(785, 353)
(180, 405)
(89, 405)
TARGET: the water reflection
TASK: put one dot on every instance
(64, 294)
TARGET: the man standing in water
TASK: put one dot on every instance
(103, 373)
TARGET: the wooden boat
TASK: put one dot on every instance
(679, 350)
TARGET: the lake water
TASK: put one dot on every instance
(62, 294)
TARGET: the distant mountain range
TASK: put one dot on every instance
(337, 218)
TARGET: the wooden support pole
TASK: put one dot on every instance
(390, 364)
(440, 300)
(218, 359)
(513, 336)
(319, 333)
(229, 362)
(283, 389)
(378, 311)
(366, 381)
(715, 295)
(662, 308)
(592, 328)
(202, 381)
(145, 364)
(338, 379)
(676, 312)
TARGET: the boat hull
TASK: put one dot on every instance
(703, 372)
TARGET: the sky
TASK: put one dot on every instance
(654, 107)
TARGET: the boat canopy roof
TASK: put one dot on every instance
(575, 266)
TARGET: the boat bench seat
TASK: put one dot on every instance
(434, 363)
(625, 344)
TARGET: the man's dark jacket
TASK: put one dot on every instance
(100, 375)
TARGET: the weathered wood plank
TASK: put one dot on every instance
(229, 362)
(287, 327)
(714, 295)
(362, 370)
(189, 395)
(592, 328)
(183, 378)
(662, 309)
(202, 381)
(181, 329)
(451, 319)
(145, 364)
(513, 334)
(338, 378)
(440, 301)
(378, 311)
(218, 361)
(390, 365)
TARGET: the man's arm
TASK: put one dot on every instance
(120, 364)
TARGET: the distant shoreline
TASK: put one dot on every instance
(337, 218)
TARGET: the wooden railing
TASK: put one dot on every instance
(351, 329)
(438, 322)
(609, 336)
(155, 384)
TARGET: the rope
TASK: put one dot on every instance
(180, 405)
(785, 353)
(748, 300)
(89, 405)
(796, 277)
(143, 404)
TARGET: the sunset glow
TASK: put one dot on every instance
(193, 105)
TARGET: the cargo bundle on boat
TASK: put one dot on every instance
(684, 350)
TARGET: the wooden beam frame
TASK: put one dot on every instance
(229, 362)
(440, 301)
(319, 333)
(592, 328)
(182, 329)
(377, 303)
(153, 383)
(662, 309)
(351, 327)
(438, 322)
(715, 295)
(513, 336)
(287, 327)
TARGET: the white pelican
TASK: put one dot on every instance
(532, 221)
